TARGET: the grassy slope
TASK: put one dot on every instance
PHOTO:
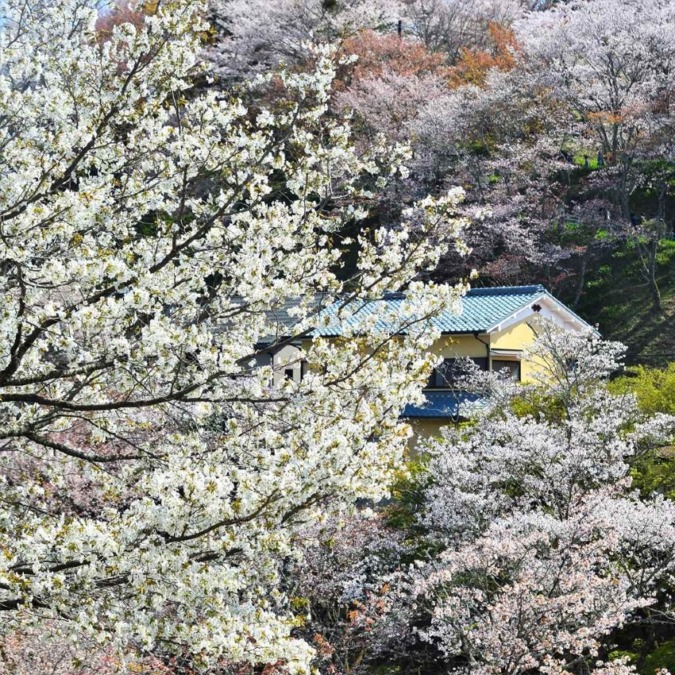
(619, 302)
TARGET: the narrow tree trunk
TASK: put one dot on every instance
(653, 284)
(581, 279)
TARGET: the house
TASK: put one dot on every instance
(494, 329)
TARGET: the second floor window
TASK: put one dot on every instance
(449, 374)
(513, 368)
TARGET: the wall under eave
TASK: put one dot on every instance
(517, 338)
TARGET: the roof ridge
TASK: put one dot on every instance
(485, 290)
(506, 290)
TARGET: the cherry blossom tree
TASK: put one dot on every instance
(259, 34)
(502, 141)
(43, 649)
(614, 67)
(611, 64)
(350, 591)
(451, 25)
(546, 549)
(389, 82)
(119, 13)
(469, 123)
(394, 78)
(153, 479)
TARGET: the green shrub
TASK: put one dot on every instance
(662, 657)
(655, 473)
(653, 387)
(655, 392)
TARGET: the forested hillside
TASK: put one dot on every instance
(557, 121)
(238, 240)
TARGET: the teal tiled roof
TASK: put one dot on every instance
(481, 310)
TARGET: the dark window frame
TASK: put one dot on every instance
(442, 376)
(508, 363)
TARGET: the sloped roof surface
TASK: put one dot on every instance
(481, 308)
(283, 315)
(439, 405)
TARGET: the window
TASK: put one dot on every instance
(448, 373)
(513, 368)
(289, 374)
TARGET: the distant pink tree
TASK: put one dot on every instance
(612, 64)
(350, 590)
(42, 650)
(449, 26)
(611, 61)
(391, 80)
(501, 140)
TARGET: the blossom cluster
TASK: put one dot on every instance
(546, 549)
(151, 234)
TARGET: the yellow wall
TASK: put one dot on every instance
(520, 336)
(458, 346)
(516, 338)
(424, 428)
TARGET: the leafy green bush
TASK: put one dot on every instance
(655, 392)
(655, 473)
(666, 252)
(653, 387)
(662, 657)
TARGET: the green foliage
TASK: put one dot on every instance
(408, 495)
(614, 313)
(655, 473)
(623, 654)
(480, 148)
(540, 405)
(385, 669)
(654, 388)
(406, 506)
(647, 662)
(580, 160)
(152, 224)
(299, 604)
(662, 657)
(666, 253)
(617, 298)
(572, 227)
(148, 225)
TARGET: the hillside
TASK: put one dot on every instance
(618, 301)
